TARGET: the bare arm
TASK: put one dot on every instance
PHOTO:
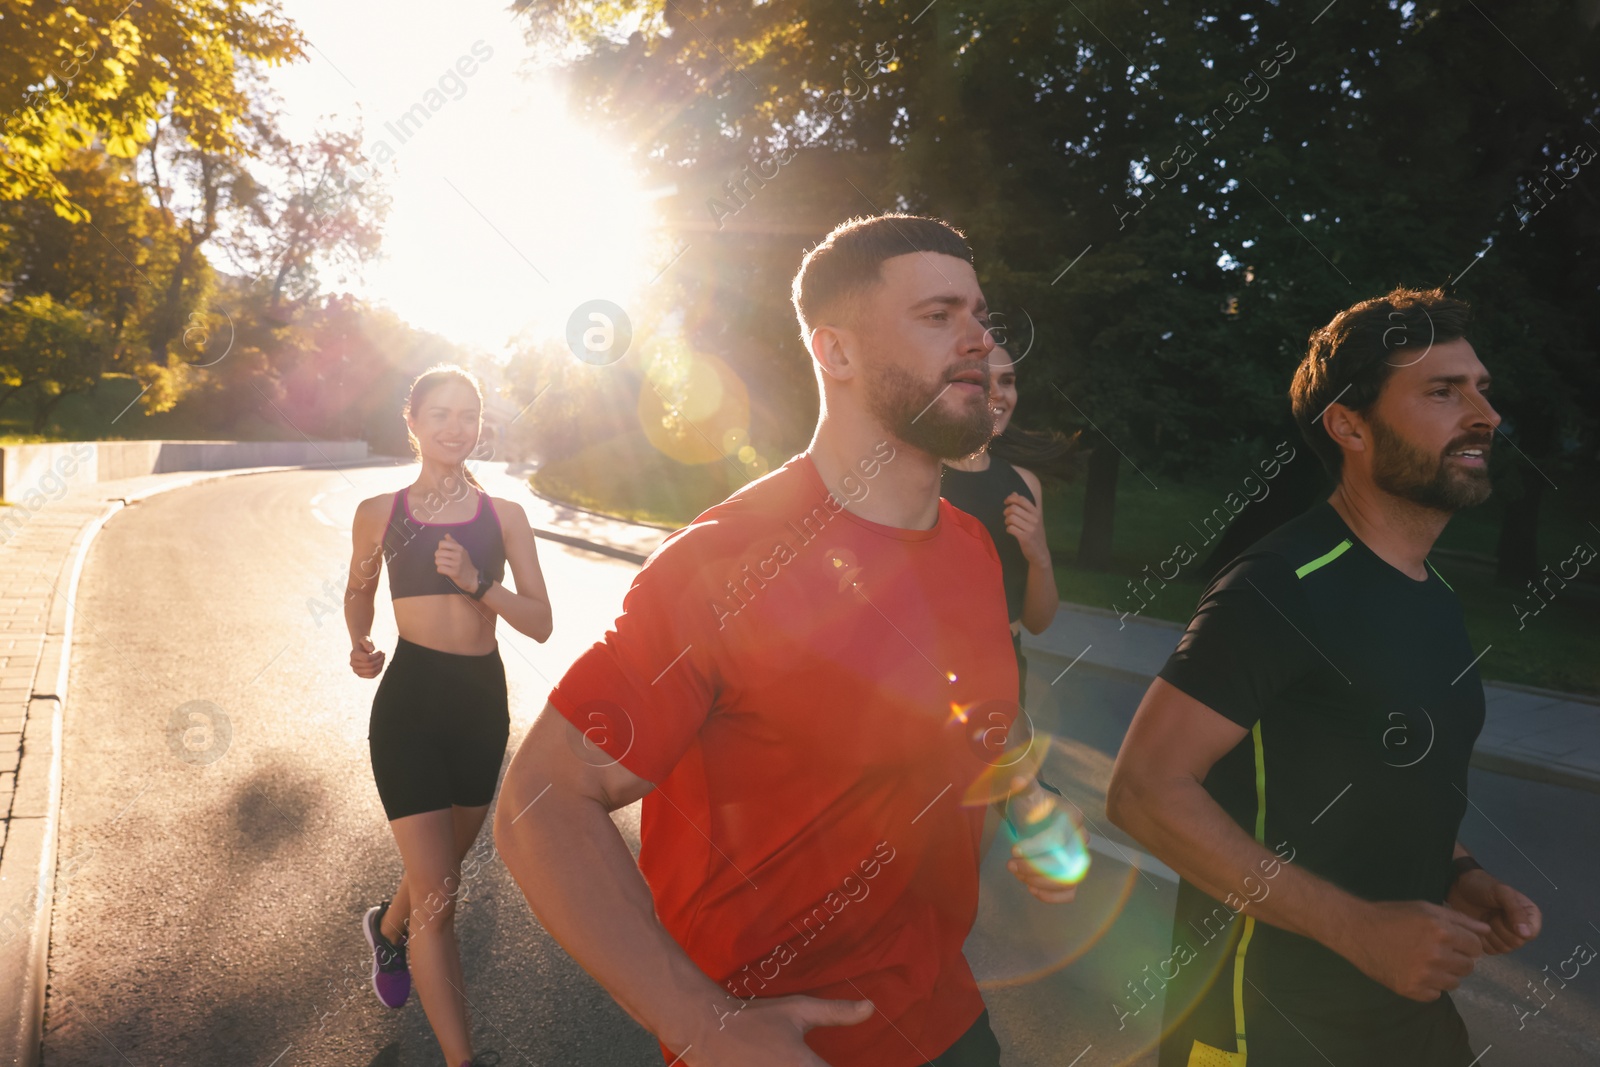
(1415, 948)
(1025, 521)
(554, 830)
(361, 587)
(528, 609)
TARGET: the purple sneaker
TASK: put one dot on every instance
(391, 978)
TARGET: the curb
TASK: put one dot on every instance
(1498, 761)
(28, 869)
(1553, 694)
(1549, 773)
(571, 541)
(559, 503)
(599, 547)
(33, 856)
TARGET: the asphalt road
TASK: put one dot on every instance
(216, 857)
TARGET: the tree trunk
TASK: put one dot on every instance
(10, 392)
(1517, 553)
(43, 408)
(169, 324)
(1300, 483)
(1099, 508)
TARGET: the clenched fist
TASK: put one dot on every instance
(365, 659)
(1417, 949)
(452, 561)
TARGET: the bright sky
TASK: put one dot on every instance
(494, 188)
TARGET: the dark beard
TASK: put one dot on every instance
(1411, 473)
(906, 408)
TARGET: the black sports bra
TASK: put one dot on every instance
(982, 494)
(409, 545)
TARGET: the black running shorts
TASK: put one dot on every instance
(978, 1047)
(438, 731)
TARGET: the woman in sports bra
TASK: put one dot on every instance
(440, 717)
(1007, 499)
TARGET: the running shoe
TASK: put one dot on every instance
(391, 978)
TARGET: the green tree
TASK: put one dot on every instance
(107, 72)
(54, 348)
(1177, 194)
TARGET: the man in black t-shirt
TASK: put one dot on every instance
(1301, 760)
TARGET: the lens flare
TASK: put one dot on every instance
(1000, 734)
(689, 402)
(1045, 837)
(1018, 939)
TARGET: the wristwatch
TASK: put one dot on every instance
(484, 582)
(1462, 865)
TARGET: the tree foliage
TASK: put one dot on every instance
(1175, 194)
(105, 71)
(144, 159)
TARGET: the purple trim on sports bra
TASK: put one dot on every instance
(482, 496)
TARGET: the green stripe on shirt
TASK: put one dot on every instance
(1324, 559)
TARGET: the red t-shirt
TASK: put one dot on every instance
(812, 694)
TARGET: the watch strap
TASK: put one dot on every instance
(1463, 864)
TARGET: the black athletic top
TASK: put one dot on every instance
(409, 545)
(982, 494)
(1360, 690)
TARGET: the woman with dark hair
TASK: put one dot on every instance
(993, 488)
(990, 486)
(440, 718)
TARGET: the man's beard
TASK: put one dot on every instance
(1402, 469)
(908, 409)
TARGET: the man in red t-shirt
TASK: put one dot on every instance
(806, 686)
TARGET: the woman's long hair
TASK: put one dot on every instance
(1040, 451)
(427, 382)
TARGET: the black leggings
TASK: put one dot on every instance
(438, 731)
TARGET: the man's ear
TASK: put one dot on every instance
(1347, 428)
(834, 349)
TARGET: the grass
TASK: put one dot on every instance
(1553, 649)
(628, 478)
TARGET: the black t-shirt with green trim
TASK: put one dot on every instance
(1361, 692)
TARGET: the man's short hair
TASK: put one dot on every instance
(848, 262)
(1351, 357)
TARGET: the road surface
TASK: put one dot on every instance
(221, 835)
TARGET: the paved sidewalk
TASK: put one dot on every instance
(1529, 733)
(40, 559)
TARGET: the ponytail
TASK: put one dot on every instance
(1041, 451)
